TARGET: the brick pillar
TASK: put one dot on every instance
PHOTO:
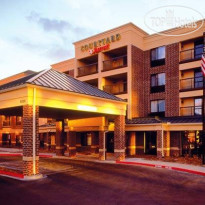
(60, 138)
(167, 143)
(47, 142)
(119, 137)
(132, 144)
(95, 142)
(102, 146)
(159, 143)
(0, 139)
(13, 139)
(1, 122)
(71, 141)
(28, 141)
(13, 122)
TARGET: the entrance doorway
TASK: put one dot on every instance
(110, 142)
(150, 143)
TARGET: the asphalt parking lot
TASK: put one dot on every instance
(79, 182)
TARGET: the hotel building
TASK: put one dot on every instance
(159, 77)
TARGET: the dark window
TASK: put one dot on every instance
(158, 83)
(198, 79)
(198, 48)
(158, 56)
(158, 107)
(6, 120)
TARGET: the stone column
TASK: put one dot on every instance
(60, 149)
(0, 139)
(132, 144)
(102, 147)
(71, 141)
(95, 142)
(28, 169)
(47, 142)
(167, 143)
(13, 139)
(119, 137)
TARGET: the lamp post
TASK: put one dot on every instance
(203, 111)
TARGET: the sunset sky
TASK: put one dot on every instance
(35, 34)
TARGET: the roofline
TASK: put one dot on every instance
(13, 88)
(168, 31)
(37, 76)
(64, 61)
(27, 71)
(110, 30)
(66, 91)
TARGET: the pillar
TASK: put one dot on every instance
(132, 144)
(60, 149)
(28, 164)
(119, 137)
(94, 142)
(47, 142)
(167, 143)
(159, 143)
(71, 141)
(13, 139)
(102, 147)
(0, 139)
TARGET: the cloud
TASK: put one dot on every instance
(56, 25)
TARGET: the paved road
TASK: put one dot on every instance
(90, 183)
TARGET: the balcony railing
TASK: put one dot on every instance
(191, 111)
(116, 89)
(114, 63)
(191, 83)
(191, 54)
(88, 69)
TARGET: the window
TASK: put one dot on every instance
(198, 79)
(6, 121)
(157, 106)
(198, 48)
(198, 106)
(158, 82)
(158, 56)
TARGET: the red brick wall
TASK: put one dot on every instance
(142, 72)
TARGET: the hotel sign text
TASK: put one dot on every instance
(100, 45)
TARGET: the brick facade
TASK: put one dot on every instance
(142, 71)
(28, 140)
(119, 137)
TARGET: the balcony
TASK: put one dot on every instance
(115, 63)
(191, 84)
(191, 111)
(116, 89)
(88, 69)
(191, 54)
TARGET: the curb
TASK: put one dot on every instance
(163, 167)
(17, 155)
(11, 174)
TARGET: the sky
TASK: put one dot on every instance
(37, 33)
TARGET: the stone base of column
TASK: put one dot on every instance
(72, 151)
(28, 166)
(159, 153)
(94, 149)
(102, 155)
(119, 155)
(60, 151)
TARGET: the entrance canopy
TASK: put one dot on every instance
(58, 96)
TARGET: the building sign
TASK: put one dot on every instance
(100, 45)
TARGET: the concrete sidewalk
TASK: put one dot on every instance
(199, 170)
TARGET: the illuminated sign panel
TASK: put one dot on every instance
(100, 45)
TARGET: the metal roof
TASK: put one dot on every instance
(174, 120)
(60, 81)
